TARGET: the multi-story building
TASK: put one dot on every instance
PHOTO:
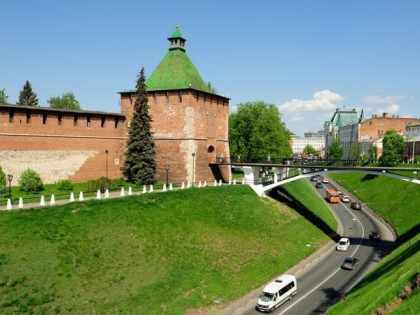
(299, 143)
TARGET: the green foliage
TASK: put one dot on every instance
(122, 255)
(310, 150)
(104, 183)
(64, 185)
(356, 151)
(3, 96)
(373, 152)
(67, 101)
(140, 156)
(3, 181)
(256, 132)
(335, 151)
(30, 181)
(392, 148)
(27, 96)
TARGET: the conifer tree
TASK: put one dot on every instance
(140, 156)
(27, 96)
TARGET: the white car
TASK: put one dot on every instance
(325, 181)
(345, 198)
(343, 244)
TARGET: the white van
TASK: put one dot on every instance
(276, 293)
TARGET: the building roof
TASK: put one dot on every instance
(176, 71)
(343, 116)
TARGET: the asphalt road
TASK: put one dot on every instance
(322, 282)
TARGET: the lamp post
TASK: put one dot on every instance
(10, 178)
(106, 163)
(414, 142)
(192, 175)
(167, 167)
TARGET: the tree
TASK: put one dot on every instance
(256, 132)
(355, 151)
(3, 182)
(27, 96)
(140, 163)
(67, 101)
(30, 181)
(392, 147)
(310, 150)
(335, 151)
(373, 152)
(3, 96)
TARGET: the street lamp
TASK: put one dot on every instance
(167, 167)
(10, 178)
(192, 175)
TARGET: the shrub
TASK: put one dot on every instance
(3, 183)
(64, 185)
(99, 184)
(30, 181)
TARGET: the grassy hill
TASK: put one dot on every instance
(392, 286)
(160, 253)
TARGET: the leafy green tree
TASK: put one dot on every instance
(67, 101)
(30, 181)
(356, 151)
(310, 150)
(3, 96)
(373, 152)
(3, 183)
(335, 151)
(392, 147)
(256, 132)
(27, 96)
(140, 156)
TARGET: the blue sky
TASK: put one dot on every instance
(307, 57)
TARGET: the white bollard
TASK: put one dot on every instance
(52, 200)
(107, 193)
(144, 189)
(205, 184)
(164, 187)
(71, 197)
(199, 184)
(170, 186)
(20, 203)
(98, 194)
(215, 183)
(151, 188)
(9, 204)
(183, 185)
(243, 180)
(188, 184)
(130, 192)
(42, 202)
(122, 193)
(81, 196)
(230, 182)
(234, 181)
(220, 182)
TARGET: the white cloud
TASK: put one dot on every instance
(391, 109)
(322, 100)
(377, 99)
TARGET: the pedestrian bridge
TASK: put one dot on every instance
(257, 174)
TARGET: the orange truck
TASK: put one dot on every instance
(332, 196)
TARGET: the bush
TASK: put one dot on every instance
(104, 183)
(3, 183)
(30, 181)
(64, 185)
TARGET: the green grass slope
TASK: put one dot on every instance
(160, 253)
(392, 286)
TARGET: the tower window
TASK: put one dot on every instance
(60, 118)
(180, 96)
(102, 121)
(116, 122)
(155, 97)
(75, 119)
(167, 97)
(11, 115)
(88, 120)
(44, 118)
(28, 116)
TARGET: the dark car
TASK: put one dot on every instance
(318, 185)
(350, 263)
(375, 236)
(314, 178)
(356, 206)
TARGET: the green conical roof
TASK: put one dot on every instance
(176, 71)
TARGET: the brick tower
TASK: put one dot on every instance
(190, 123)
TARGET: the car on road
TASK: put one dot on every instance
(276, 293)
(314, 178)
(325, 181)
(350, 263)
(339, 192)
(375, 236)
(356, 206)
(318, 185)
(343, 244)
(345, 198)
